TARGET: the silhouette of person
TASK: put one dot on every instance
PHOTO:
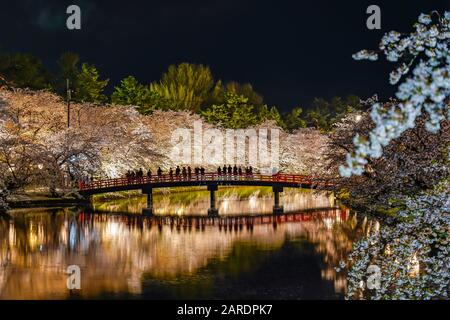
(159, 173)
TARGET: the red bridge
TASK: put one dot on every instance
(211, 180)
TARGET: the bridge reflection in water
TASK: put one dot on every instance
(287, 256)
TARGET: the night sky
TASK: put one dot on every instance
(291, 51)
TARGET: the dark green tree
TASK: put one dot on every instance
(67, 69)
(265, 112)
(294, 119)
(319, 114)
(323, 114)
(246, 90)
(217, 95)
(89, 87)
(235, 113)
(131, 92)
(153, 102)
(25, 71)
(341, 107)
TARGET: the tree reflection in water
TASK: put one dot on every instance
(230, 201)
(171, 257)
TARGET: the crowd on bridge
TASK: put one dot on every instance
(187, 173)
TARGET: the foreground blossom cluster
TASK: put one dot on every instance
(425, 90)
(412, 252)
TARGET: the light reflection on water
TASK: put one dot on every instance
(230, 201)
(290, 256)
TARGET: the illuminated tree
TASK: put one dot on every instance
(185, 86)
(424, 56)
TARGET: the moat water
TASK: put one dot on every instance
(180, 253)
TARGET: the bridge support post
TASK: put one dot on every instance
(87, 201)
(90, 203)
(212, 211)
(148, 211)
(277, 208)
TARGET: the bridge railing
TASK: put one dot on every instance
(283, 178)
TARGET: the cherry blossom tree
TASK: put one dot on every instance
(423, 56)
(413, 163)
(303, 151)
(412, 252)
(37, 148)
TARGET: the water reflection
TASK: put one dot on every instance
(230, 201)
(130, 255)
(168, 257)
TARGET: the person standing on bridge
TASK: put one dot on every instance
(184, 173)
(159, 172)
(230, 170)
(177, 172)
(202, 172)
(240, 173)
(189, 170)
(235, 172)
(171, 174)
(224, 172)
(219, 172)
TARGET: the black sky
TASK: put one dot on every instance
(291, 51)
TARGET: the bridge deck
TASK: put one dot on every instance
(207, 179)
